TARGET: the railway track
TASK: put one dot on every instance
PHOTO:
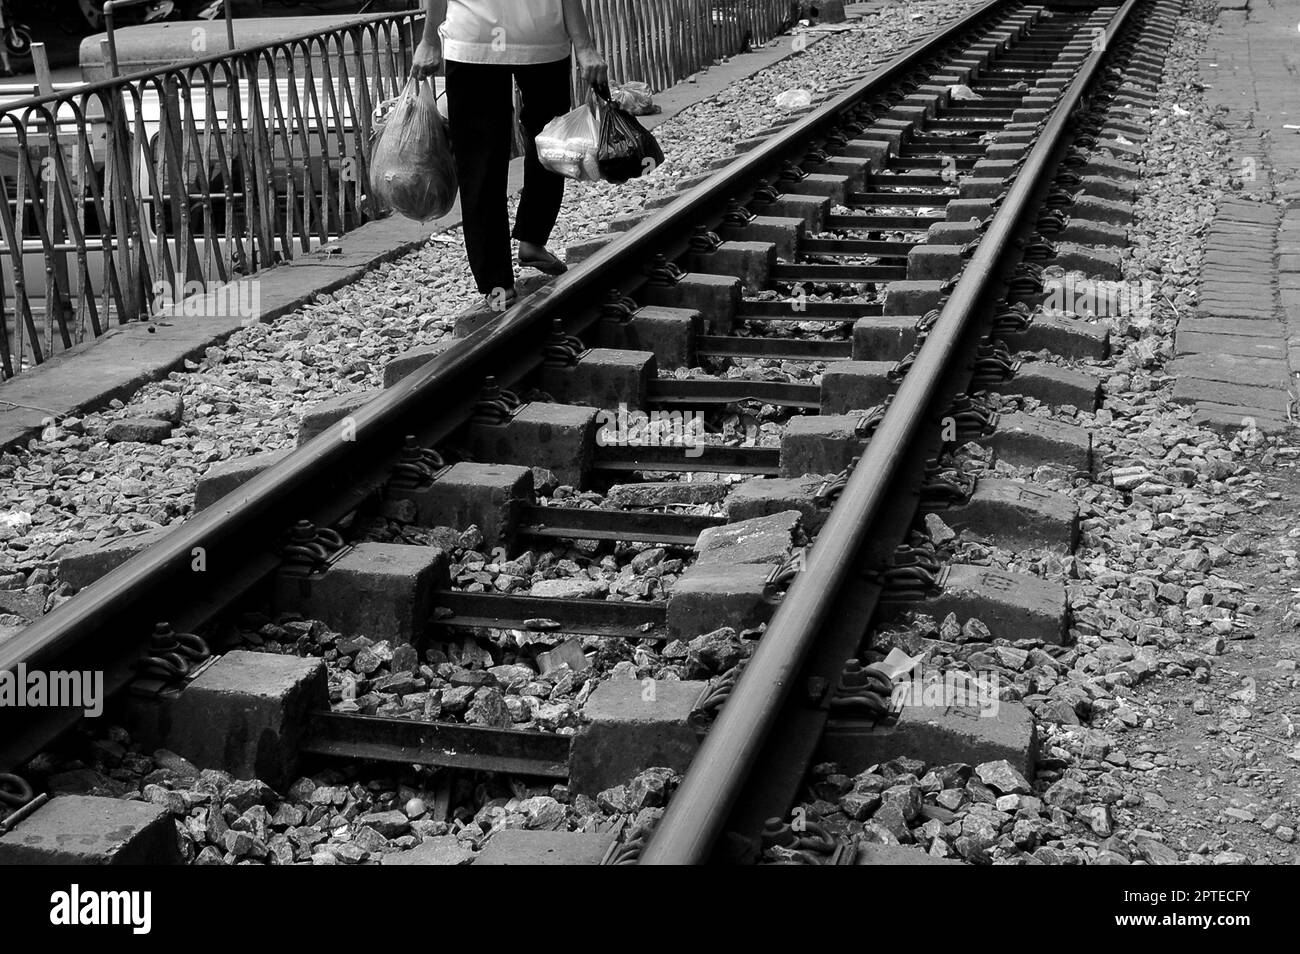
(860, 288)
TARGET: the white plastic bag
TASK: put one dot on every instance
(633, 98)
(411, 168)
(793, 99)
(568, 144)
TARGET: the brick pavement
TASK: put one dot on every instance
(1238, 355)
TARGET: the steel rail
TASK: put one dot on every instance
(698, 810)
(334, 473)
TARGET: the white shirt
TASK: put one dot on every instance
(504, 31)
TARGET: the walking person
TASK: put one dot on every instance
(486, 44)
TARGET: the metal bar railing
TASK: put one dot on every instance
(128, 194)
(661, 42)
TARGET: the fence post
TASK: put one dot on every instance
(56, 306)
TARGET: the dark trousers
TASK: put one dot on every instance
(480, 110)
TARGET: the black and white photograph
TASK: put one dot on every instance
(461, 433)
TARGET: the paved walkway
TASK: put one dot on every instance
(1239, 355)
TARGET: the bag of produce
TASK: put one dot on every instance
(567, 144)
(411, 168)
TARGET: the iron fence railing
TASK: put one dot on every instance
(660, 42)
(128, 194)
(131, 194)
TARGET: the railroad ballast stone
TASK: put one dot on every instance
(92, 830)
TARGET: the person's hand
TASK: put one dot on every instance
(427, 59)
(593, 68)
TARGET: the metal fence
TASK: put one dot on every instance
(128, 195)
(131, 193)
(660, 42)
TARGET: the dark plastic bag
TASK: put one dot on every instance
(411, 168)
(625, 150)
(518, 141)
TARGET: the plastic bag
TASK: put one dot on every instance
(567, 144)
(793, 99)
(634, 98)
(411, 169)
(518, 141)
(627, 150)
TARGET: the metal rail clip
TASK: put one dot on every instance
(310, 549)
(1012, 319)
(994, 364)
(974, 417)
(811, 845)
(417, 467)
(562, 350)
(863, 691)
(704, 241)
(945, 486)
(663, 272)
(169, 658)
(495, 405)
(737, 215)
(915, 572)
(617, 307)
